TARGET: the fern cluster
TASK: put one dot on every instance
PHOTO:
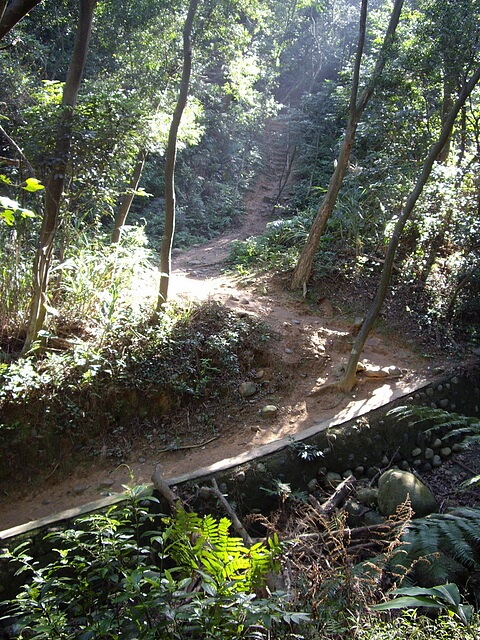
(205, 544)
(467, 428)
(442, 544)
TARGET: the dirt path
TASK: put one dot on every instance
(313, 343)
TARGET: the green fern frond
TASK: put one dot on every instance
(438, 541)
(439, 417)
(203, 545)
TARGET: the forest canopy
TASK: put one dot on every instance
(95, 134)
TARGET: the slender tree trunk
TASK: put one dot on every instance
(357, 106)
(127, 199)
(56, 179)
(449, 84)
(348, 381)
(170, 159)
(12, 14)
(3, 4)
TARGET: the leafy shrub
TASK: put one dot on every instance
(114, 577)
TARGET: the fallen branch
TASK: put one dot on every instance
(187, 446)
(163, 488)
(237, 525)
(341, 492)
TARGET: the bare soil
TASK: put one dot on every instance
(313, 344)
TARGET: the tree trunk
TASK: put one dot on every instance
(449, 84)
(304, 265)
(3, 4)
(127, 199)
(12, 14)
(357, 106)
(170, 159)
(56, 179)
(349, 380)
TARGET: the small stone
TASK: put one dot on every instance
(372, 472)
(372, 517)
(355, 511)
(287, 350)
(404, 465)
(416, 452)
(430, 392)
(436, 461)
(295, 321)
(105, 484)
(368, 495)
(261, 468)
(417, 463)
(142, 460)
(385, 461)
(429, 453)
(332, 479)
(312, 485)
(204, 493)
(347, 474)
(78, 489)
(247, 389)
(259, 374)
(241, 476)
(443, 404)
(427, 467)
(359, 471)
(457, 447)
(394, 372)
(223, 488)
(445, 452)
(269, 411)
(437, 443)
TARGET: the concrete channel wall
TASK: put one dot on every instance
(362, 442)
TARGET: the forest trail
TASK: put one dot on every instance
(312, 345)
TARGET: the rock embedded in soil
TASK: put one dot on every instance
(368, 495)
(247, 389)
(106, 484)
(333, 479)
(269, 411)
(78, 489)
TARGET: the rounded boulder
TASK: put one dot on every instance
(396, 485)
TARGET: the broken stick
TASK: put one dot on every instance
(163, 488)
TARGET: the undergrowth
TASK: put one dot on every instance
(133, 573)
(193, 357)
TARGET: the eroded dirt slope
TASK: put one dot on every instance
(313, 343)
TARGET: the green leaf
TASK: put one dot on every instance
(142, 193)
(7, 216)
(8, 209)
(407, 602)
(32, 185)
